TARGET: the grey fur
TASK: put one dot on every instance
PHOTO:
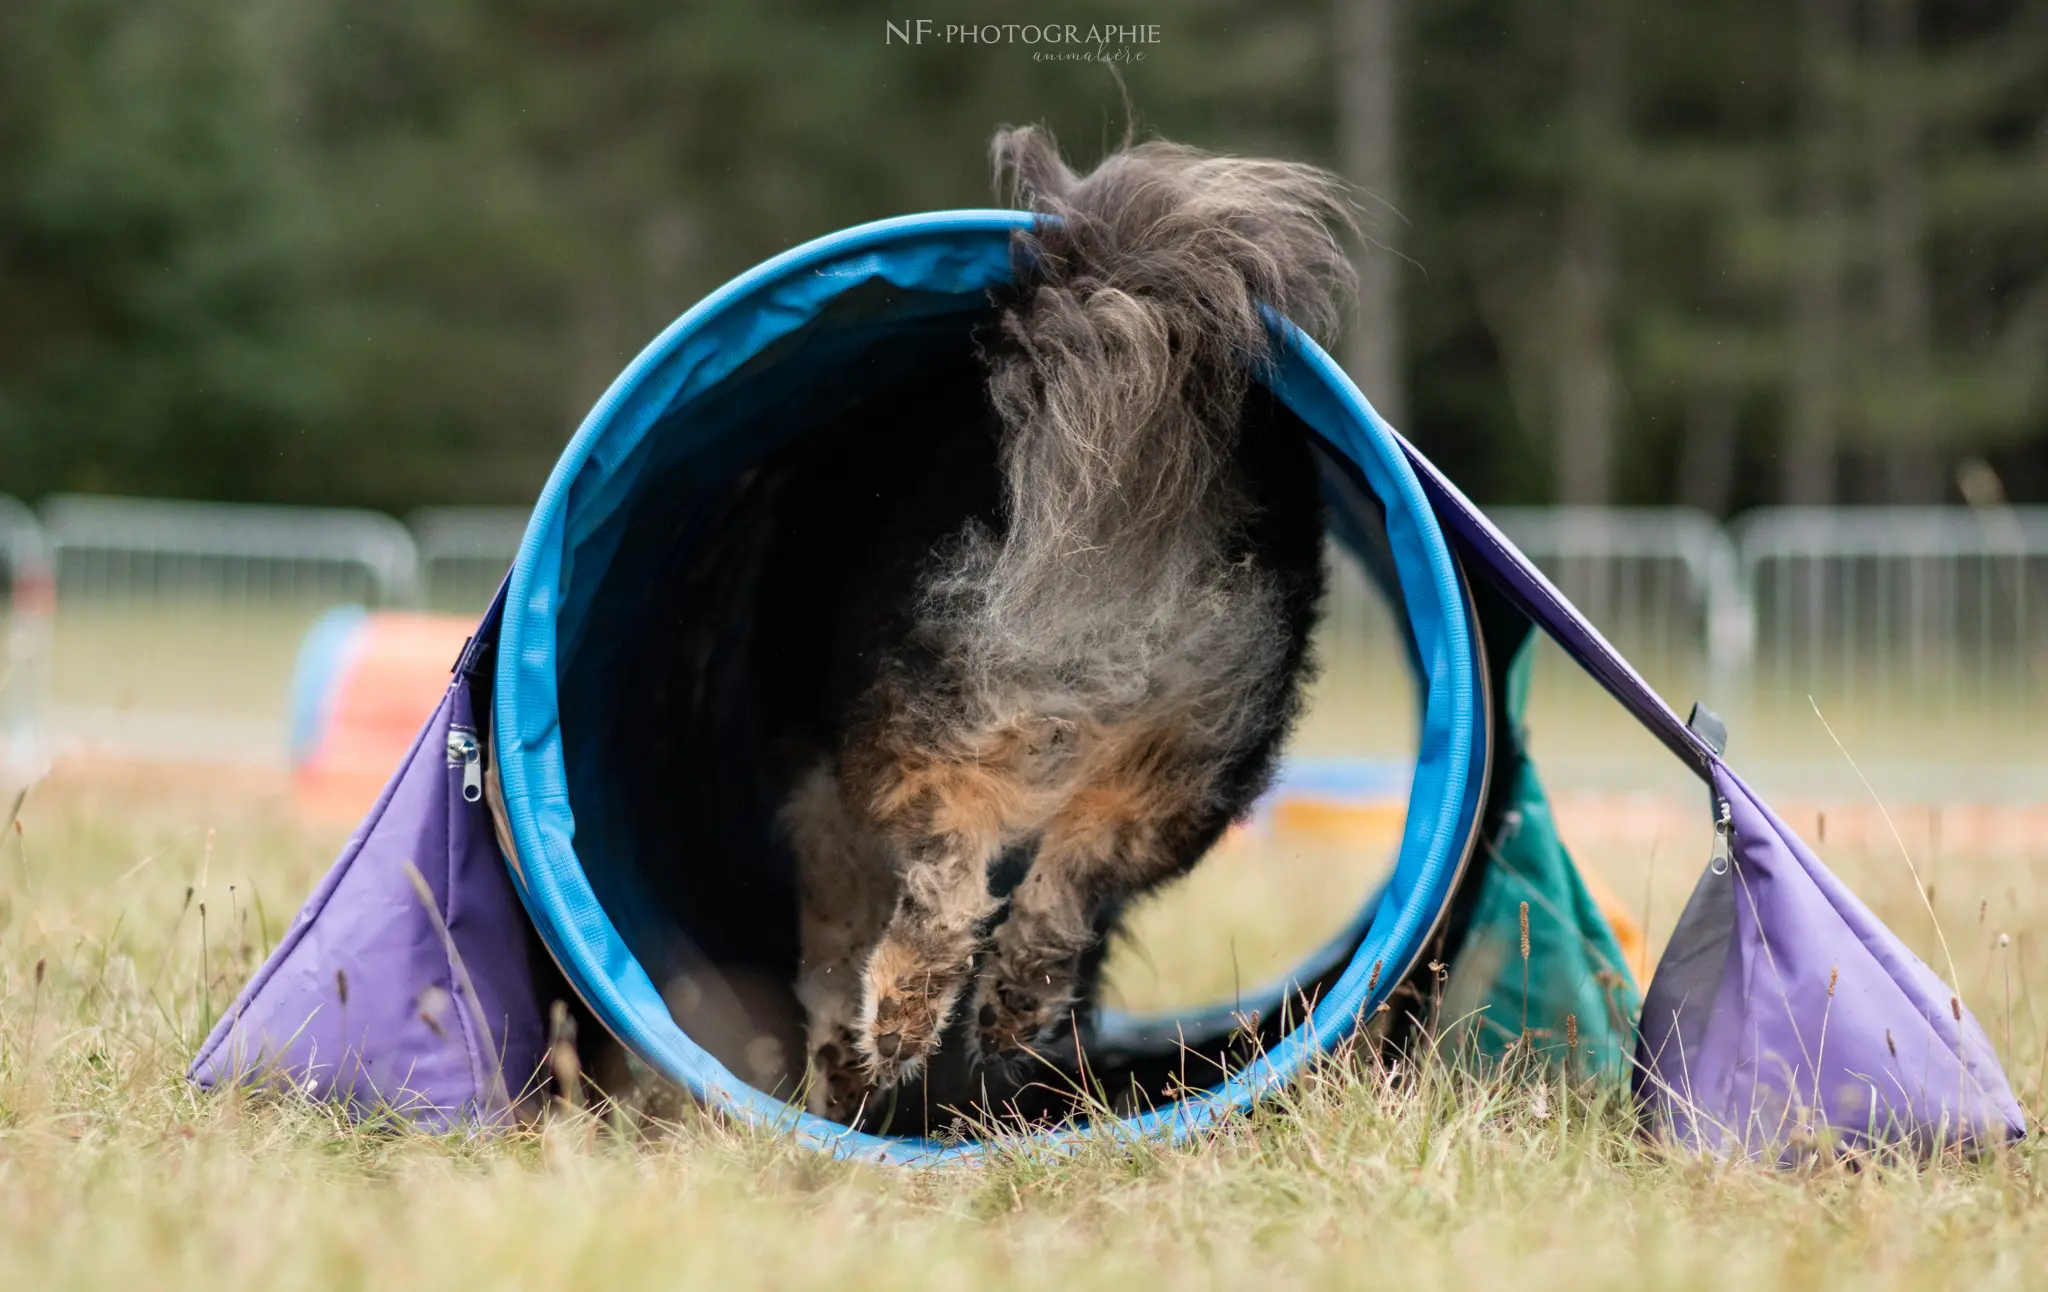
(1090, 677)
(1118, 383)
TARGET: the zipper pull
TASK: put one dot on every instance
(465, 751)
(1724, 826)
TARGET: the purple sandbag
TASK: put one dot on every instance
(380, 997)
(1782, 1004)
(1741, 1047)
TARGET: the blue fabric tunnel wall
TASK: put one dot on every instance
(648, 488)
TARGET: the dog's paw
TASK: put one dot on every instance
(1016, 1015)
(839, 1084)
(906, 1005)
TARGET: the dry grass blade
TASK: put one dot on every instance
(1925, 890)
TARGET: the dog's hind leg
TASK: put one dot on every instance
(846, 886)
(1146, 815)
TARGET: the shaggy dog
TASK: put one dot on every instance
(1065, 633)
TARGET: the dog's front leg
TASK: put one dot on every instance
(846, 887)
(1146, 817)
(945, 842)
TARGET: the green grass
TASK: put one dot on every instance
(180, 657)
(115, 1174)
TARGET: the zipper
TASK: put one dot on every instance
(1724, 826)
(466, 753)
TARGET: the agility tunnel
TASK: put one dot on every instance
(585, 816)
(360, 683)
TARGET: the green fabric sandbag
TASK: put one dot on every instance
(1563, 982)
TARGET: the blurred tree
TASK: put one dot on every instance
(1586, 391)
(384, 253)
(1480, 173)
(152, 291)
(1815, 279)
(1954, 102)
(1369, 56)
(1899, 219)
(1801, 283)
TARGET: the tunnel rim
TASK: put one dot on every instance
(527, 753)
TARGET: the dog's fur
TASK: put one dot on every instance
(1072, 627)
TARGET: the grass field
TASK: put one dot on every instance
(114, 1174)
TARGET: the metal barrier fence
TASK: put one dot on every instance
(177, 623)
(1920, 634)
(1663, 584)
(1957, 591)
(1915, 640)
(465, 552)
(25, 614)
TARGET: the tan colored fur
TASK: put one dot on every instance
(1105, 840)
(1093, 797)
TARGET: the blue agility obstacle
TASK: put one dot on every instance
(639, 864)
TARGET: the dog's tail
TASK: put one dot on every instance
(1126, 349)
